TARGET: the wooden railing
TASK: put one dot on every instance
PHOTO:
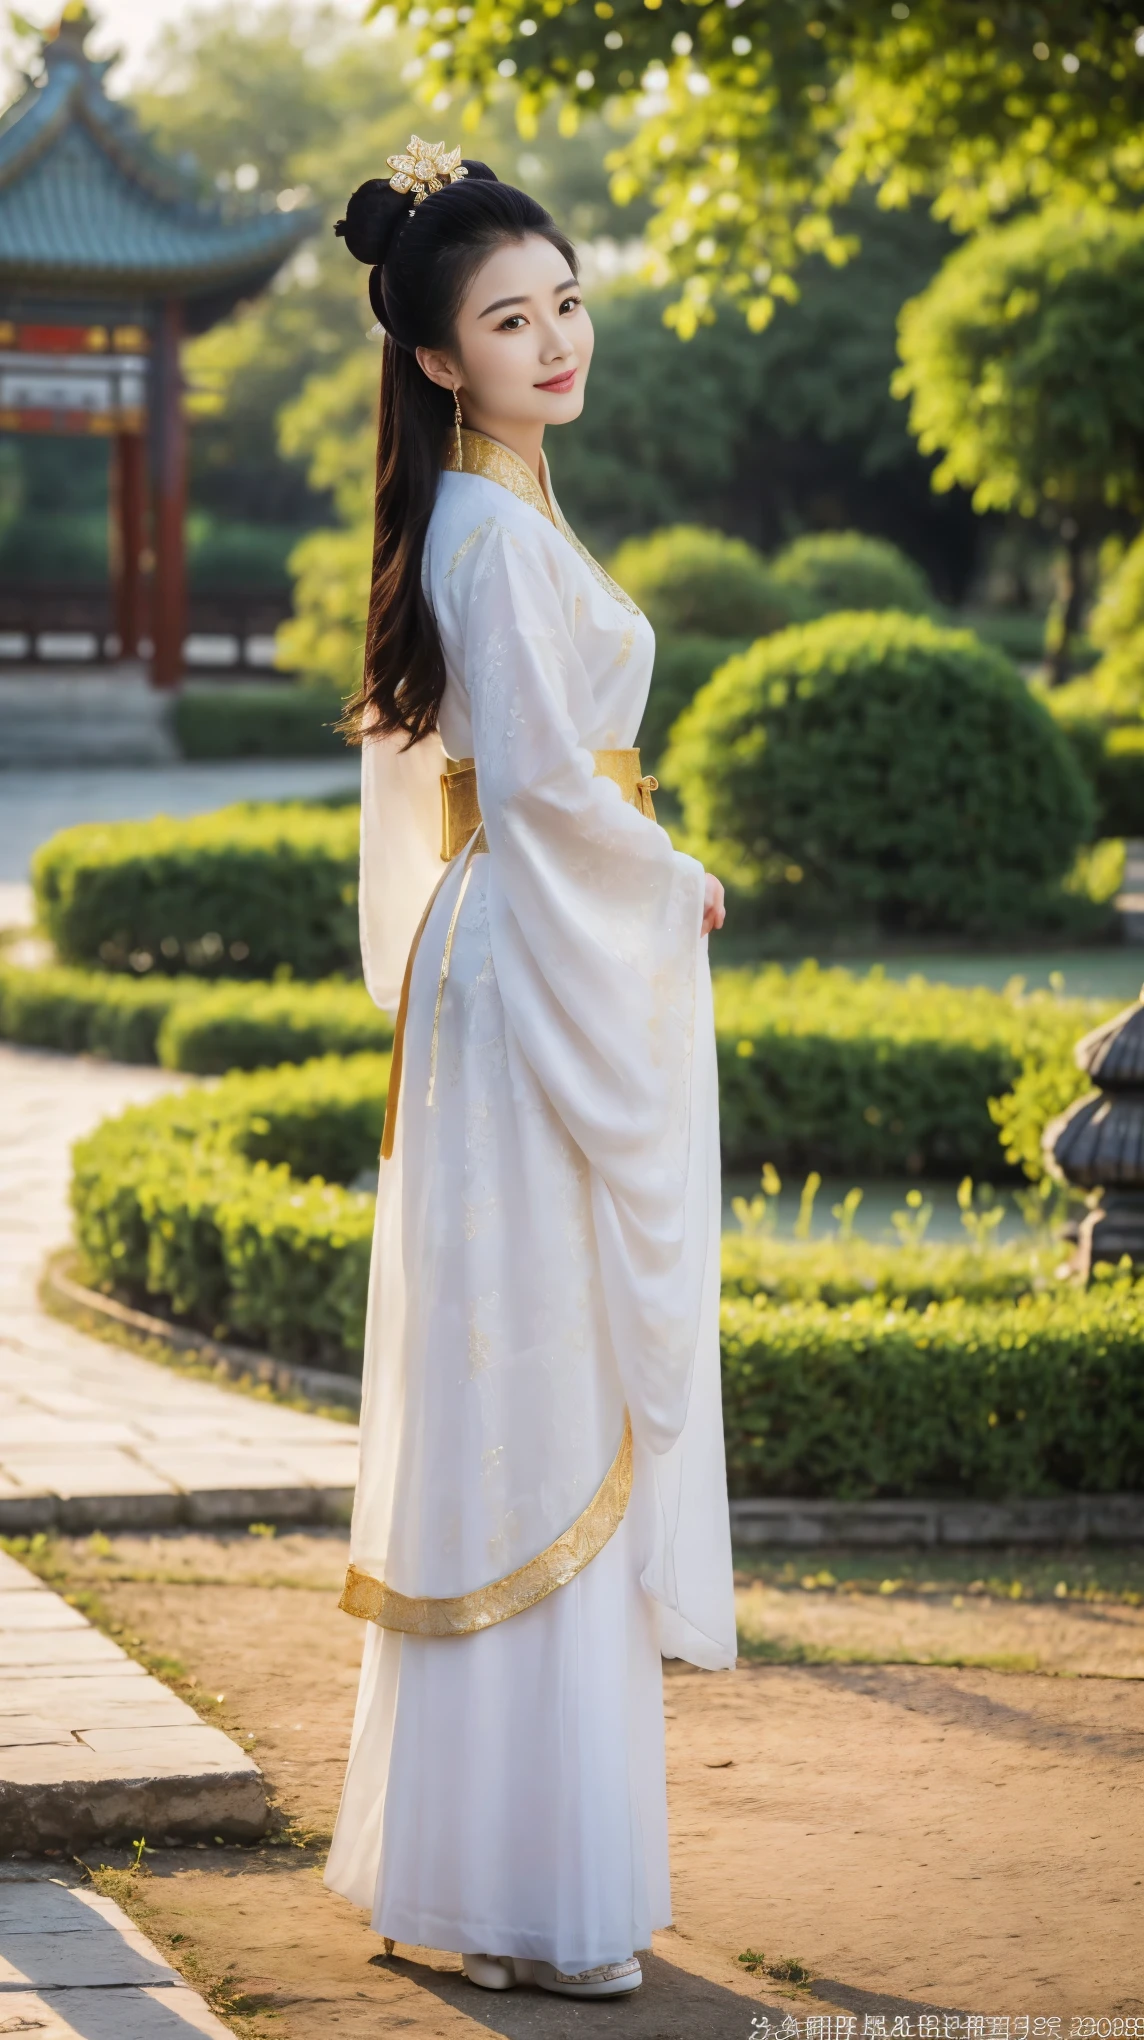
(228, 631)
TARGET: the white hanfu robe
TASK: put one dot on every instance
(543, 1318)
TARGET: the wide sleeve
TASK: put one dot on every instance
(595, 928)
(400, 854)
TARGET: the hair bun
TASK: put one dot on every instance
(376, 212)
(373, 215)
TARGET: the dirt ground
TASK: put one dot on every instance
(921, 1785)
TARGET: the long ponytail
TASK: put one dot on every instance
(423, 261)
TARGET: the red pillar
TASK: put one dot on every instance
(128, 537)
(169, 589)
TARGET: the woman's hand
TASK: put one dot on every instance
(714, 910)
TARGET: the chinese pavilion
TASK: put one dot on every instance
(109, 255)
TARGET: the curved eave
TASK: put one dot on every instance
(249, 264)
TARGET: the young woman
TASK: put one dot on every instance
(542, 1504)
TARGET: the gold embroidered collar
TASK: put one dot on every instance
(481, 455)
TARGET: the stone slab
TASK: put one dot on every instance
(92, 1749)
(41, 1611)
(92, 1953)
(172, 2013)
(73, 1966)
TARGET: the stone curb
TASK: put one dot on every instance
(755, 1522)
(237, 1363)
(93, 1749)
(1064, 1519)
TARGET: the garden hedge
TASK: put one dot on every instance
(897, 773)
(871, 1076)
(819, 1068)
(259, 719)
(184, 1024)
(848, 570)
(694, 582)
(238, 893)
(684, 663)
(971, 1399)
(228, 1209)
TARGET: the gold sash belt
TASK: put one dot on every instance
(559, 1562)
(461, 810)
(460, 824)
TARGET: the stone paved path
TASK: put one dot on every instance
(91, 1435)
(73, 1967)
(93, 1749)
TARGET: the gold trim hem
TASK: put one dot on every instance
(462, 1614)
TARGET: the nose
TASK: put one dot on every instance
(554, 341)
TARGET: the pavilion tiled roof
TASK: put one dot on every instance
(88, 207)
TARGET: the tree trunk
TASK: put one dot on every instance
(1065, 617)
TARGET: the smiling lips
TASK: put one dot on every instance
(558, 383)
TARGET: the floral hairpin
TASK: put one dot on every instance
(425, 167)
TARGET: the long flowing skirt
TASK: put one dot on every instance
(505, 1791)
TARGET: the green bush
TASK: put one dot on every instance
(248, 1027)
(683, 665)
(841, 1272)
(866, 1076)
(242, 892)
(847, 570)
(972, 1399)
(699, 583)
(225, 1207)
(82, 1012)
(183, 1023)
(261, 719)
(899, 773)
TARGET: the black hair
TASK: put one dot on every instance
(422, 261)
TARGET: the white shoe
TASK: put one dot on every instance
(612, 1979)
(490, 1972)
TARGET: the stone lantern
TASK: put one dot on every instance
(1098, 1144)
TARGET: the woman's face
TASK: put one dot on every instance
(523, 345)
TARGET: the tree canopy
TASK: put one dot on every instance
(1024, 364)
(756, 119)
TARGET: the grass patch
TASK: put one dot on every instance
(1103, 1574)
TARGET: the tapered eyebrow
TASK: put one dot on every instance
(502, 304)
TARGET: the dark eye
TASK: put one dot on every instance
(570, 304)
(514, 321)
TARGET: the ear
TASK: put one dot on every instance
(435, 363)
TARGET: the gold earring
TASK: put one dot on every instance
(457, 430)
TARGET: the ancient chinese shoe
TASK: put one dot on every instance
(490, 1972)
(612, 1979)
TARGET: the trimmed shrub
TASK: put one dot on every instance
(868, 1076)
(973, 1399)
(261, 720)
(848, 570)
(699, 583)
(902, 772)
(249, 1027)
(683, 665)
(242, 892)
(838, 1273)
(184, 1024)
(225, 1208)
(200, 1205)
(82, 1012)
